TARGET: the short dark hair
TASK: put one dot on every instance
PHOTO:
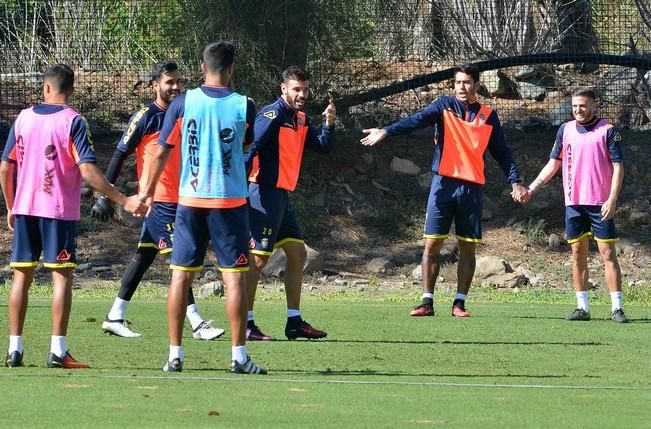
(162, 67)
(218, 56)
(469, 69)
(584, 91)
(296, 73)
(61, 77)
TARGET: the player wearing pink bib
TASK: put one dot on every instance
(588, 150)
(48, 151)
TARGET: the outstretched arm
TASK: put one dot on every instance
(422, 119)
(96, 179)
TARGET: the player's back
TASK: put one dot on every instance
(48, 180)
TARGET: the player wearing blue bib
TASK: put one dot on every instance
(210, 123)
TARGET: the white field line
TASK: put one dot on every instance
(329, 381)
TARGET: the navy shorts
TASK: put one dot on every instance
(452, 199)
(584, 221)
(55, 238)
(158, 228)
(228, 229)
(273, 221)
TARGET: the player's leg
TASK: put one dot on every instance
(191, 240)
(290, 239)
(229, 233)
(256, 263)
(467, 215)
(201, 329)
(115, 322)
(177, 298)
(465, 273)
(605, 233)
(577, 229)
(26, 250)
(18, 300)
(438, 219)
(155, 235)
(267, 206)
(59, 247)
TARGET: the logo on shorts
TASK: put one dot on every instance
(242, 260)
(51, 152)
(162, 244)
(63, 256)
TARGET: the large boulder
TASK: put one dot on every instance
(380, 265)
(488, 266)
(315, 262)
(404, 166)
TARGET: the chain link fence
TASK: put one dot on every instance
(381, 60)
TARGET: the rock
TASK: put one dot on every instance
(425, 180)
(380, 265)
(498, 84)
(404, 166)
(315, 262)
(318, 200)
(541, 202)
(379, 251)
(561, 113)
(417, 273)
(506, 281)
(214, 288)
(127, 218)
(210, 275)
(101, 269)
(85, 266)
(554, 241)
(531, 91)
(367, 157)
(488, 266)
(486, 214)
(344, 235)
(449, 251)
(526, 72)
(408, 257)
(640, 217)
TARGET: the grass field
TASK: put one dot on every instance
(509, 365)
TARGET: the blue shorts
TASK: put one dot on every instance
(584, 221)
(228, 229)
(453, 199)
(273, 221)
(56, 239)
(158, 228)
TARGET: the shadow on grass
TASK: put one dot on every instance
(370, 372)
(462, 343)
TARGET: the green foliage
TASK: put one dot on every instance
(534, 230)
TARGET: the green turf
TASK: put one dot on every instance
(509, 365)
